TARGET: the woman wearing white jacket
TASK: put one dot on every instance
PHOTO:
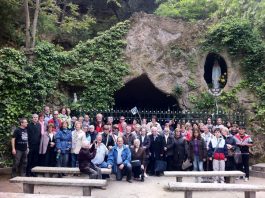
(78, 137)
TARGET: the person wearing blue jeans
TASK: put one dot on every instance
(197, 151)
(63, 142)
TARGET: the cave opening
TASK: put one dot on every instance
(141, 92)
(212, 62)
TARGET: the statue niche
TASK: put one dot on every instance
(215, 73)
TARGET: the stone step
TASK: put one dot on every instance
(259, 167)
(259, 174)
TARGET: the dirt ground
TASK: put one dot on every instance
(152, 187)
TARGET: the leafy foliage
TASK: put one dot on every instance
(25, 86)
(187, 9)
(99, 67)
(242, 40)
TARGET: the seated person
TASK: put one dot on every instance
(138, 156)
(86, 154)
(101, 153)
(119, 159)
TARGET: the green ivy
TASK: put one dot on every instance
(99, 68)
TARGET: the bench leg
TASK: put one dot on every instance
(250, 194)
(86, 191)
(188, 194)
(28, 188)
(231, 180)
(179, 179)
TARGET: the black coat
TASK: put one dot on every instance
(145, 144)
(156, 147)
(108, 140)
(180, 150)
(34, 135)
(202, 150)
(84, 158)
(169, 144)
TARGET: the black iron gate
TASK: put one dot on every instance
(169, 114)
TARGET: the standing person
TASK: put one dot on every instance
(19, 144)
(88, 136)
(138, 155)
(180, 150)
(243, 142)
(107, 138)
(145, 144)
(47, 147)
(57, 123)
(86, 121)
(63, 139)
(168, 144)
(34, 135)
(188, 132)
(219, 124)
(72, 123)
(209, 124)
(197, 151)
(42, 123)
(99, 123)
(47, 114)
(119, 159)
(86, 154)
(92, 132)
(231, 147)
(218, 153)
(110, 122)
(120, 125)
(154, 123)
(62, 116)
(128, 137)
(207, 136)
(156, 150)
(78, 137)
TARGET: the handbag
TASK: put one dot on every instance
(231, 152)
(135, 163)
(238, 157)
(186, 164)
(160, 166)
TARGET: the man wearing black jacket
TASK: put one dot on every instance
(156, 150)
(34, 135)
(168, 143)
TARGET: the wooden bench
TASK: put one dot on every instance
(86, 184)
(188, 188)
(22, 195)
(62, 170)
(180, 174)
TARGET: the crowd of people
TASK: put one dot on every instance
(129, 149)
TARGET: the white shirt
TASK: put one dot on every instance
(119, 158)
(102, 151)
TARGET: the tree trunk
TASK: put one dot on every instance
(35, 22)
(27, 18)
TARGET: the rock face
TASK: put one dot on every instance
(167, 50)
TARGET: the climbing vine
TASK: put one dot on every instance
(97, 66)
(242, 41)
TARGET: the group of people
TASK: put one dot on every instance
(134, 149)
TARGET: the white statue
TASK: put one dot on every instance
(216, 74)
(75, 98)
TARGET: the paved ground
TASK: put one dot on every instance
(153, 187)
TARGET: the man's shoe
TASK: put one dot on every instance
(129, 181)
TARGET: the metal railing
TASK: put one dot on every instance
(169, 114)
